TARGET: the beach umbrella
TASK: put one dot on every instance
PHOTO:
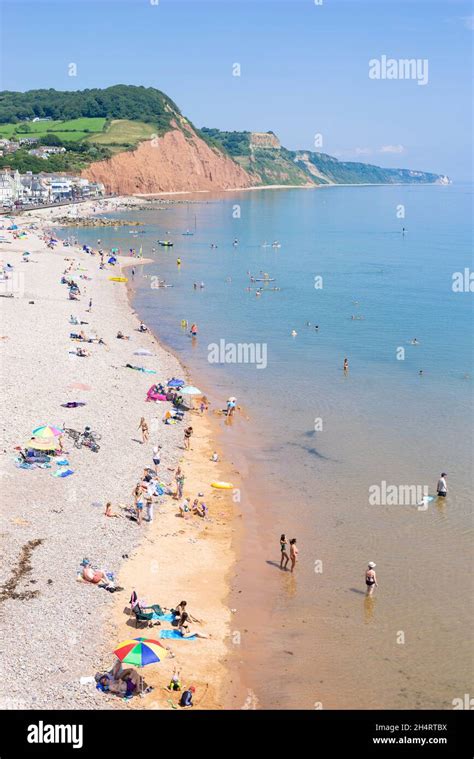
(176, 383)
(42, 444)
(140, 651)
(47, 431)
(143, 352)
(190, 390)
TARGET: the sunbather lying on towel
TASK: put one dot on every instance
(121, 682)
(95, 576)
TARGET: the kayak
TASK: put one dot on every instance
(265, 279)
(222, 485)
(165, 243)
(118, 279)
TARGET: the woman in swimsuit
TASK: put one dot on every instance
(370, 577)
(284, 555)
(143, 426)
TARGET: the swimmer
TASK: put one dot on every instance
(415, 341)
(178, 262)
(346, 366)
(293, 333)
(316, 327)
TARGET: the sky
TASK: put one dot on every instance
(303, 68)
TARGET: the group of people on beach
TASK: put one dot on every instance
(293, 555)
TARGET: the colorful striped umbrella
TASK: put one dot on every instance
(47, 431)
(42, 444)
(140, 651)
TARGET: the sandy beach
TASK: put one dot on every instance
(58, 628)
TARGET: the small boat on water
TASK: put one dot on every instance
(165, 243)
(187, 233)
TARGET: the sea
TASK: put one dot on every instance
(346, 462)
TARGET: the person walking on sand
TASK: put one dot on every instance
(284, 554)
(293, 553)
(442, 487)
(346, 366)
(187, 437)
(156, 456)
(139, 500)
(370, 577)
(143, 426)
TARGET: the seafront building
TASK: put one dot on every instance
(18, 190)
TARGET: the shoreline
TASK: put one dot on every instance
(253, 188)
(192, 553)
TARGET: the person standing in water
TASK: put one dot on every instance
(346, 366)
(284, 555)
(442, 487)
(293, 553)
(370, 577)
(194, 330)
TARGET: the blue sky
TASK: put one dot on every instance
(304, 67)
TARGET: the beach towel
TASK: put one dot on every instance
(163, 618)
(62, 472)
(174, 635)
(63, 462)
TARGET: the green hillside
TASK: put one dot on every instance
(341, 172)
(94, 124)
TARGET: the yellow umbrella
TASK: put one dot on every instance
(42, 444)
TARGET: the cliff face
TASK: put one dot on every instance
(171, 163)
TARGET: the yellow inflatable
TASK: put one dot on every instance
(118, 279)
(222, 485)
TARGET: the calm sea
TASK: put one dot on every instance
(317, 441)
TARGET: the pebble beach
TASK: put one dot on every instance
(57, 628)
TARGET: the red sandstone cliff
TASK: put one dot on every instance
(172, 163)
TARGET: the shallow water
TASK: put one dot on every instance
(314, 637)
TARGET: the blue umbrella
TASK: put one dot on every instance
(176, 382)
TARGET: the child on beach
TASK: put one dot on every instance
(185, 508)
(138, 497)
(175, 683)
(156, 455)
(179, 477)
